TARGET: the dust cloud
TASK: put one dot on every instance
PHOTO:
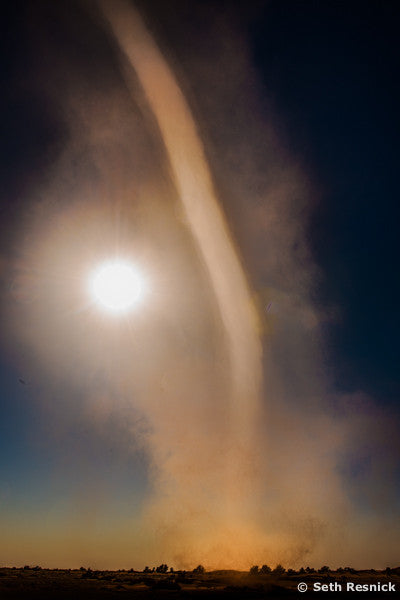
(176, 159)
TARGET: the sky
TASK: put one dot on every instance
(243, 156)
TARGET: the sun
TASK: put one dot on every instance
(116, 286)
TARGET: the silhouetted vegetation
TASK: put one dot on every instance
(199, 570)
(162, 569)
(260, 583)
(324, 569)
(265, 570)
(279, 570)
(254, 570)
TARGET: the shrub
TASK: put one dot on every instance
(324, 569)
(162, 569)
(265, 570)
(199, 570)
(254, 570)
(310, 570)
(279, 570)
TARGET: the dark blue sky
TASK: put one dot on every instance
(332, 70)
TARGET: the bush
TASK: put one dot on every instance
(254, 570)
(162, 569)
(265, 570)
(199, 570)
(324, 569)
(310, 570)
(279, 570)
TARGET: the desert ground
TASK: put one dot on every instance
(35, 583)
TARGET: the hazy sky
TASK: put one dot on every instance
(125, 441)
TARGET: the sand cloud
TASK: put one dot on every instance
(305, 477)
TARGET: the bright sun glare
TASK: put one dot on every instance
(117, 286)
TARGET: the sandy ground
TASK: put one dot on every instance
(46, 584)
